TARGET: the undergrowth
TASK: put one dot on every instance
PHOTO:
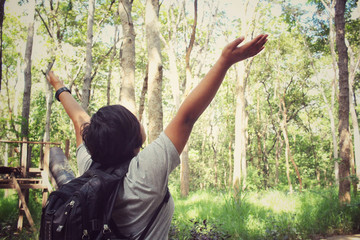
(263, 215)
(213, 214)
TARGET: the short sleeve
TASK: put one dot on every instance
(83, 159)
(153, 165)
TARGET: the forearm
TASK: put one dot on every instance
(194, 105)
(200, 98)
(76, 113)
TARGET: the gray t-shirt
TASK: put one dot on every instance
(143, 189)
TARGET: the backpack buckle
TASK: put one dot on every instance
(85, 234)
(106, 229)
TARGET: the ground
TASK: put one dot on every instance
(347, 237)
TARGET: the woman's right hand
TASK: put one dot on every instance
(234, 52)
(54, 80)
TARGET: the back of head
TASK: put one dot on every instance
(112, 135)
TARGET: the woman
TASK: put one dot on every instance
(113, 134)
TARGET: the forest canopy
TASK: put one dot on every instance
(273, 124)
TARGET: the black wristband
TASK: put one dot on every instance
(59, 91)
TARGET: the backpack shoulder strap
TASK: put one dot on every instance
(156, 213)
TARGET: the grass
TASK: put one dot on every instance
(263, 215)
(9, 215)
(213, 214)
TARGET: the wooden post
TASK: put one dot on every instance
(24, 158)
(23, 193)
(24, 205)
(6, 163)
(45, 174)
(67, 149)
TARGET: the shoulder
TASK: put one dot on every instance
(152, 166)
(83, 159)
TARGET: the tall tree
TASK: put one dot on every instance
(127, 56)
(2, 3)
(354, 65)
(184, 167)
(155, 70)
(89, 63)
(27, 72)
(243, 70)
(112, 56)
(330, 7)
(26, 100)
(345, 140)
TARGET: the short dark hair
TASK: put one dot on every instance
(112, 135)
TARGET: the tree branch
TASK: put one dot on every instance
(46, 26)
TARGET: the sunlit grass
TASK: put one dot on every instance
(266, 214)
(248, 215)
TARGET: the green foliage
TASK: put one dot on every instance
(9, 215)
(214, 214)
(263, 215)
(283, 69)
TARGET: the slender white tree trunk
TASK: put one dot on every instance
(247, 13)
(155, 69)
(27, 73)
(330, 7)
(89, 41)
(127, 57)
(239, 176)
(353, 114)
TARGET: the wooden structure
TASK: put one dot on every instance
(25, 177)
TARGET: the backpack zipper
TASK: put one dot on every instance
(67, 210)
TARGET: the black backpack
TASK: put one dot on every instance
(82, 208)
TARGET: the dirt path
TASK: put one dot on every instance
(347, 237)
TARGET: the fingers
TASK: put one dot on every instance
(258, 42)
(51, 76)
(261, 40)
(236, 42)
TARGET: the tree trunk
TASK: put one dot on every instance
(287, 150)
(143, 94)
(333, 94)
(27, 75)
(89, 41)
(185, 169)
(155, 69)
(239, 176)
(230, 159)
(26, 105)
(277, 156)
(331, 12)
(112, 56)
(344, 167)
(2, 3)
(356, 133)
(127, 57)
(49, 102)
(354, 117)
(352, 169)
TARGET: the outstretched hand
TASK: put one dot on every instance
(234, 53)
(54, 80)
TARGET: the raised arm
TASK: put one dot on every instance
(71, 106)
(198, 100)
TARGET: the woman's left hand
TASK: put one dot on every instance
(54, 80)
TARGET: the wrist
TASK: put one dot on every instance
(224, 63)
(57, 86)
(60, 91)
